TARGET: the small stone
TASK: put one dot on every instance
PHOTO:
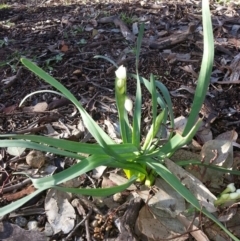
(32, 225)
(48, 230)
(117, 197)
(21, 221)
(35, 159)
(77, 133)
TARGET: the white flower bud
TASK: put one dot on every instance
(227, 197)
(234, 195)
(238, 191)
(121, 72)
(128, 104)
(231, 187)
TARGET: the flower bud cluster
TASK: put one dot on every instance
(228, 195)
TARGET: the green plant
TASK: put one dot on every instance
(12, 61)
(82, 41)
(139, 161)
(54, 59)
(3, 42)
(105, 13)
(4, 6)
(77, 29)
(126, 19)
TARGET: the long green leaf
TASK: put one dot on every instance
(74, 171)
(129, 150)
(134, 167)
(101, 137)
(100, 192)
(39, 92)
(160, 99)
(210, 166)
(153, 131)
(206, 67)
(168, 101)
(154, 99)
(178, 141)
(91, 192)
(40, 147)
(124, 123)
(17, 204)
(182, 190)
(136, 134)
(106, 58)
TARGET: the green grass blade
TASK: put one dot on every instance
(182, 190)
(92, 192)
(121, 114)
(144, 81)
(17, 204)
(153, 130)
(174, 182)
(211, 166)
(39, 92)
(100, 192)
(128, 128)
(106, 58)
(74, 171)
(154, 98)
(136, 134)
(168, 101)
(178, 141)
(101, 137)
(132, 167)
(129, 150)
(206, 67)
(40, 147)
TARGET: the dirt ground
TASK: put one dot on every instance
(64, 36)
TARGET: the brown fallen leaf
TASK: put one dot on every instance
(39, 107)
(17, 195)
(151, 227)
(64, 48)
(198, 234)
(10, 109)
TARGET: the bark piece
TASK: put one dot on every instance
(128, 221)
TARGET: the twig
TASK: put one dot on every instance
(88, 236)
(79, 224)
(13, 79)
(227, 82)
(17, 186)
(4, 182)
(232, 123)
(128, 220)
(76, 203)
(85, 202)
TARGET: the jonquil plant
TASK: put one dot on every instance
(141, 158)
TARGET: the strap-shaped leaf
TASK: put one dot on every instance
(182, 190)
